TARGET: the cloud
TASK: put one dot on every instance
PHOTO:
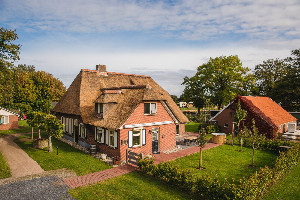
(185, 19)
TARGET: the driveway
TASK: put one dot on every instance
(19, 162)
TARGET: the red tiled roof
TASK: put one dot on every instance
(268, 109)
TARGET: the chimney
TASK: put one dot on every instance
(101, 68)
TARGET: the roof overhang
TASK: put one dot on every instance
(148, 124)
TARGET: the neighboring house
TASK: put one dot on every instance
(8, 119)
(182, 104)
(117, 111)
(270, 118)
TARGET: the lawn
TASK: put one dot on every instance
(129, 186)
(68, 157)
(4, 168)
(192, 127)
(226, 161)
(23, 128)
(286, 189)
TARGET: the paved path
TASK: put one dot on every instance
(162, 157)
(19, 162)
(99, 176)
(124, 169)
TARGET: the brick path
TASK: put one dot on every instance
(124, 169)
(162, 157)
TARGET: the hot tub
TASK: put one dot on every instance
(219, 138)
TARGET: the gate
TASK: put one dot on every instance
(132, 157)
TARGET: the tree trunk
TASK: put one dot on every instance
(39, 133)
(50, 144)
(32, 132)
(200, 161)
(253, 149)
(241, 143)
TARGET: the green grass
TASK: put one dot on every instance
(287, 188)
(226, 161)
(129, 186)
(192, 127)
(4, 168)
(68, 157)
(23, 128)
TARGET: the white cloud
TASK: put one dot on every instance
(198, 20)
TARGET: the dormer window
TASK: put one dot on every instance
(99, 108)
(150, 108)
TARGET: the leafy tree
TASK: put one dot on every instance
(239, 115)
(30, 122)
(38, 120)
(9, 52)
(219, 80)
(175, 98)
(201, 141)
(54, 128)
(255, 139)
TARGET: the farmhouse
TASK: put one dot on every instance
(117, 111)
(270, 118)
(8, 119)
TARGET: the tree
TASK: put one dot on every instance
(9, 52)
(38, 121)
(219, 80)
(175, 98)
(239, 115)
(255, 139)
(201, 141)
(30, 122)
(54, 128)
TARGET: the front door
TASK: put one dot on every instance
(155, 140)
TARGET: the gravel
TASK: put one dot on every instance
(49, 187)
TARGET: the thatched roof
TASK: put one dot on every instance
(126, 91)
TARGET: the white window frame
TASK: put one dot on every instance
(139, 130)
(67, 125)
(82, 135)
(152, 111)
(111, 133)
(5, 119)
(98, 105)
(99, 135)
(141, 134)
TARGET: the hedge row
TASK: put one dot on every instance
(205, 187)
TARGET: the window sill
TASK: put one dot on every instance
(151, 114)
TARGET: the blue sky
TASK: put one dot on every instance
(164, 39)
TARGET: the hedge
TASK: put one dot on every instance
(205, 187)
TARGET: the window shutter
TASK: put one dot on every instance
(96, 108)
(96, 135)
(116, 139)
(130, 139)
(102, 136)
(106, 137)
(144, 137)
(153, 108)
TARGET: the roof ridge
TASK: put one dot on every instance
(128, 87)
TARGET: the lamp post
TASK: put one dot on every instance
(56, 150)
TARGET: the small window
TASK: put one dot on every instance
(177, 129)
(136, 137)
(82, 131)
(99, 135)
(111, 138)
(226, 125)
(150, 108)
(99, 108)
(4, 119)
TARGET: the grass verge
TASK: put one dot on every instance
(68, 157)
(287, 188)
(192, 127)
(4, 168)
(129, 186)
(227, 161)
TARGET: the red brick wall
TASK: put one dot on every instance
(226, 117)
(181, 129)
(13, 123)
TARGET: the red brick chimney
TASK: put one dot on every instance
(101, 68)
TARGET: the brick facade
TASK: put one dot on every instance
(13, 123)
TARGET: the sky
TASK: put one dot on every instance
(166, 40)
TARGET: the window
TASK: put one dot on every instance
(67, 125)
(136, 137)
(150, 108)
(111, 138)
(99, 135)
(226, 125)
(4, 119)
(99, 108)
(177, 129)
(82, 130)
